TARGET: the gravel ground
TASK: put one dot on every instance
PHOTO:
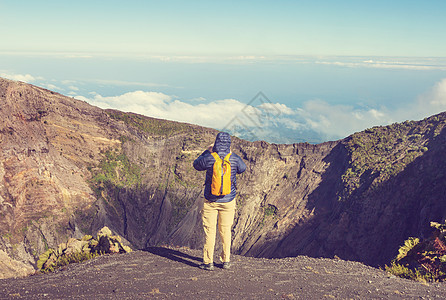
(172, 273)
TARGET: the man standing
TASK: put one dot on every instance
(221, 168)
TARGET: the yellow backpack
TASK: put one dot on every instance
(221, 176)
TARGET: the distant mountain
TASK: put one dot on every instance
(68, 168)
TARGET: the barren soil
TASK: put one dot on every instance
(172, 273)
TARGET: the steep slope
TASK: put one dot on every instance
(68, 168)
(393, 186)
(46, 144)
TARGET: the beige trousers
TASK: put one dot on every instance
(222, 214)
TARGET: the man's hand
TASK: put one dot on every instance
(210, 147)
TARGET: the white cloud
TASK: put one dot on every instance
(19, 77)
(198, 99)
(293, 124)
(331, 121)
(214, 114)
(276, 108)
(51, 86)
(336, 121)
(429, 103)
(275, 121)
(393, 64)
(376, 114)
(68, 82)
(341, 121)
(438, 94)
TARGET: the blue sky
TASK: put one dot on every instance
(360, 28)
(329, 67)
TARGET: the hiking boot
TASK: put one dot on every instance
(207, 267)
(226, 265)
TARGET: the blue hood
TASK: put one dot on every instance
(222, 143)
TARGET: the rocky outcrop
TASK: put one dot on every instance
(68, 169)
(79, 250)
(13, 268)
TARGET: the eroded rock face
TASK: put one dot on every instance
(47, 142)
(12, 268)
(68, 169)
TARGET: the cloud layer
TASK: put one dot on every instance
(316, 120)
(383, 64)
(212, 114)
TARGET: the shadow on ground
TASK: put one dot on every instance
(175, 255)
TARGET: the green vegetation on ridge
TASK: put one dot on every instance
(383, 152)
(149, 125)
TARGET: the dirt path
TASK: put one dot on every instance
(165, 273)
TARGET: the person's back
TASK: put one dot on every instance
(206, 161)
(219, 208)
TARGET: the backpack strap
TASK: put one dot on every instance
(216, 156)
(228, 156)
(221, 176)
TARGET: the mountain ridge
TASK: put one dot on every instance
(69, 168)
